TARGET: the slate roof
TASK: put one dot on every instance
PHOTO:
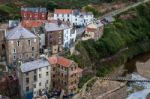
(109, 18)
(19, 32)
(33, 65)
(55, 27)
(36, 9)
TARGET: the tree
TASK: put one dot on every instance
(51, 6)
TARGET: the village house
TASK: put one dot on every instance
(65, 75)
(58, 36)
(37, 13)
(93, 31)
(34, 78)
(75, 17)
(21, 45)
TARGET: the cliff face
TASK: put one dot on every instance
(104, 90)
(144, 68)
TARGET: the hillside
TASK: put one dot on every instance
(10, 9)
(127, 37)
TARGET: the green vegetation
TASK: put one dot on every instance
(131, 36)
(9, 11)
(93, 10)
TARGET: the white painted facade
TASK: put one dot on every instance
(69, 37)
(63, 17)
(44, 80)
(81, 18)
(40, 69)
(42, 40)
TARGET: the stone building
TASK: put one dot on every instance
(21, 45)
(65, 75)
(34, 78)
(93, 31)
(58, 36)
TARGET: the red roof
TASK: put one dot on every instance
(60, 60)
(63, 11)
(32, 23)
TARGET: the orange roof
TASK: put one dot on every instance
(60, 60)
(63, 11)
(32, 23)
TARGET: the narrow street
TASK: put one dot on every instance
(116, 12)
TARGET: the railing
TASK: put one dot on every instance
(123, 79)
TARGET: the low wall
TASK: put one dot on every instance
(117, 93)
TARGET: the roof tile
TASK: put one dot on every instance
(63, 11)
(60, 60)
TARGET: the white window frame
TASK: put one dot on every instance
(14, 50)
(29, 42)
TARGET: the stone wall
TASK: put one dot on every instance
(117, 93)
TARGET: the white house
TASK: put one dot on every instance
(54, 29)
(34, 78)
(75, 17)
(63, 14)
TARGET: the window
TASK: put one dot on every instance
(20, 56)
(39, 75)
(18, 43)
(47, 67)
(35, 78)
(57, 15)
(27, 55)
(32, 48)
(29, 42)
(27, 80)
(40, 84)
(39, 69)
(14, 51)
(72, 68)
(34, 85)
(47, 81)
(65, 69)
(76, 19)
(27, 89)
(43, 15)
(14, 57)
(34, 71)
(27, 73)
(32, 55)
(68, 15)
(46, 73)
(62, 15)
